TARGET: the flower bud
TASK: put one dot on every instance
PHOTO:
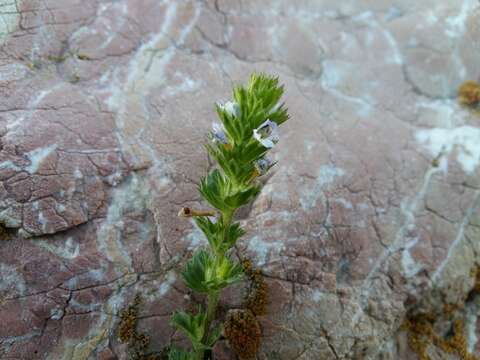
(231, 108)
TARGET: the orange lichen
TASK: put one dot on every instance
(256, 299)
(469, 93)
(243, 333)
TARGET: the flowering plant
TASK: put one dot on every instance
(239, 144)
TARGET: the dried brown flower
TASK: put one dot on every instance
(243, 332)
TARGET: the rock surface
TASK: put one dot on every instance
(373, 211)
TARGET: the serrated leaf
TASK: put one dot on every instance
(192, 325)
(195, 273)
(206, 274)
(214, 335)
(242, 197)
(212, 232)
(179, 354)
(214, 188)
(234, 233)
(219, 238)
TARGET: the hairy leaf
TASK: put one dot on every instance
(179, 354)
(207, 274)
(192, 325)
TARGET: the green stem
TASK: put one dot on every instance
(226, 219)
(212, 299)
(212, 306)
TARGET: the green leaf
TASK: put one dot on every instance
(210, 230)
(206, 274)
(226, 273)
(218, 190)
(242, 197)
(224, 157)
(231, 124)
(266, 88)
(252, 151)
(214, 188)
(214, 335)
(179, 354)
(195, 273)
(192, 325)
(258, 101)
(233, 234)
(280, 115)
(219, 238)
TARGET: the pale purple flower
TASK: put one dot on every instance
(231, 108)
(263, 165)
(218, 134)
(267, 134)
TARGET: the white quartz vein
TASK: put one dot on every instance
(458, 238)
(408, 209)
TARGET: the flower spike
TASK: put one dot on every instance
(239, 143)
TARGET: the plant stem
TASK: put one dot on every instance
(212, 299)
(212, 306)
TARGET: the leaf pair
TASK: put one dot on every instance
(175, 353)
(194, 327)
(223, 195)
(238, 163)
(207, 274)
(220, 236)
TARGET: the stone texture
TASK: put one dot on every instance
(372, 212)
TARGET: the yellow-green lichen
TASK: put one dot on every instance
(422, 333)
(256, 299)
(83, 350)
(138, 343)
(469, 93)
(475, 273)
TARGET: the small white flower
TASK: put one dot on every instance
(267, 134)
(218, 134)
(231, 108)
(263, 165)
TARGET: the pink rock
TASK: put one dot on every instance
(372, 212)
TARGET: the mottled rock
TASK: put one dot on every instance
(372, 213)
